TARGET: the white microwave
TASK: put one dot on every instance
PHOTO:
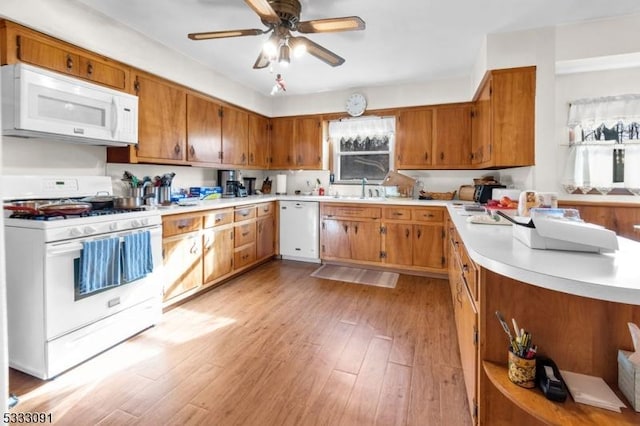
(38, 103)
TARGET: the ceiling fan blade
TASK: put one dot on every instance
(318, 51)
(348, 23)
(263, 61)
(224, 34)
(264, 10)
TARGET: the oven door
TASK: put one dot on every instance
(66, 312)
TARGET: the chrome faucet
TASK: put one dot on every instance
(364, 181)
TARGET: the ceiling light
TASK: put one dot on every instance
(298, 48)
(270, 47)
(284, 55)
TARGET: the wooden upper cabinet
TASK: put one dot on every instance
(258, 141)
(204, 130)
(162, 109)
(511, 119)
(308, 143)
(481, 126)
(452, 135)
(235, 137)
(25, 45)
(281, 143)
(414, 137)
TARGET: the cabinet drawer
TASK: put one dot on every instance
(244, 213)
(397, 213)
(244, 256)
(244, 234)
(428, 215)
(265, 209)
(469, 272)
(181, 224)
(351, 211)
(217, 218)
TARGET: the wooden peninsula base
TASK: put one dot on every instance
(575, 305)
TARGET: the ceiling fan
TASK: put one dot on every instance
(282, 17)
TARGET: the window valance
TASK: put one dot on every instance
(615, 119)
(362, 127)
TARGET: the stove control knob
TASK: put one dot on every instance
(113, 226)
(135, 223)
(75, 232)
(88, 230)
(145, 222)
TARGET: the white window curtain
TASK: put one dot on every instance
(604, 144)
(363, 127)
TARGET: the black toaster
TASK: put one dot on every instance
(483, 193)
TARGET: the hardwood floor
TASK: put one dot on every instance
(275, 347)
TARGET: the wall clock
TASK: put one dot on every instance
(356, 104)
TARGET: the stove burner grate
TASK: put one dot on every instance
(60, 216)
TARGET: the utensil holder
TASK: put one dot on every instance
(522, 371)
(136, 192)
(151, 196)
(164, 195)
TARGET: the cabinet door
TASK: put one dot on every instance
(46, 55)
(258, 141)
(245, 233)
(414, 136)
(334, 239)
(513, 110)
(204, 130)
(467, 338)
(182, 264)
(428, 246)
(398, 244)
(281, 143)
(104, 73)
(481, 126)
(218, 253)
(235, 137)
(308, 143)
(365, 241)
(162, 110)
(452, 135)
(265, 237)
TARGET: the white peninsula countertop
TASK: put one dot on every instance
(613, 277)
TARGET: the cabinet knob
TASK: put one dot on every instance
(426, 155)
(407, 233)
(192, 151)
(177, 149)
(69, 62)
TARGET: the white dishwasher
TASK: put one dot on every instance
(300, 230)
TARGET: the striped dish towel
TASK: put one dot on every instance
(99, 265)
(137, 260)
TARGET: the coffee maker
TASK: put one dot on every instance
(228, 180)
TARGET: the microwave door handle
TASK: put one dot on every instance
(114, 116)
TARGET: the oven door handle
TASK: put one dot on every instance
(63, 249)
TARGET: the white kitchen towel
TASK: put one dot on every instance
(137, 259)
(99, 265)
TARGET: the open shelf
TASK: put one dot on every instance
(569, 412)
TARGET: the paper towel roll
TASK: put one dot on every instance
(281, 184)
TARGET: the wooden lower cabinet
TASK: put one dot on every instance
(181, 253)
(406, 238)
(466, 319)
(218, 253)
(205, 248)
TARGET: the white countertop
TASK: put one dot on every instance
(605, 276)
(241, 201)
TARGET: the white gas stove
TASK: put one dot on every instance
(62, 308)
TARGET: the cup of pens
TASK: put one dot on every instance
(522, 355)
(522, 371)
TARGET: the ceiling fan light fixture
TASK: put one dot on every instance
(299, 49)
(270, 47)
(284, 55)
